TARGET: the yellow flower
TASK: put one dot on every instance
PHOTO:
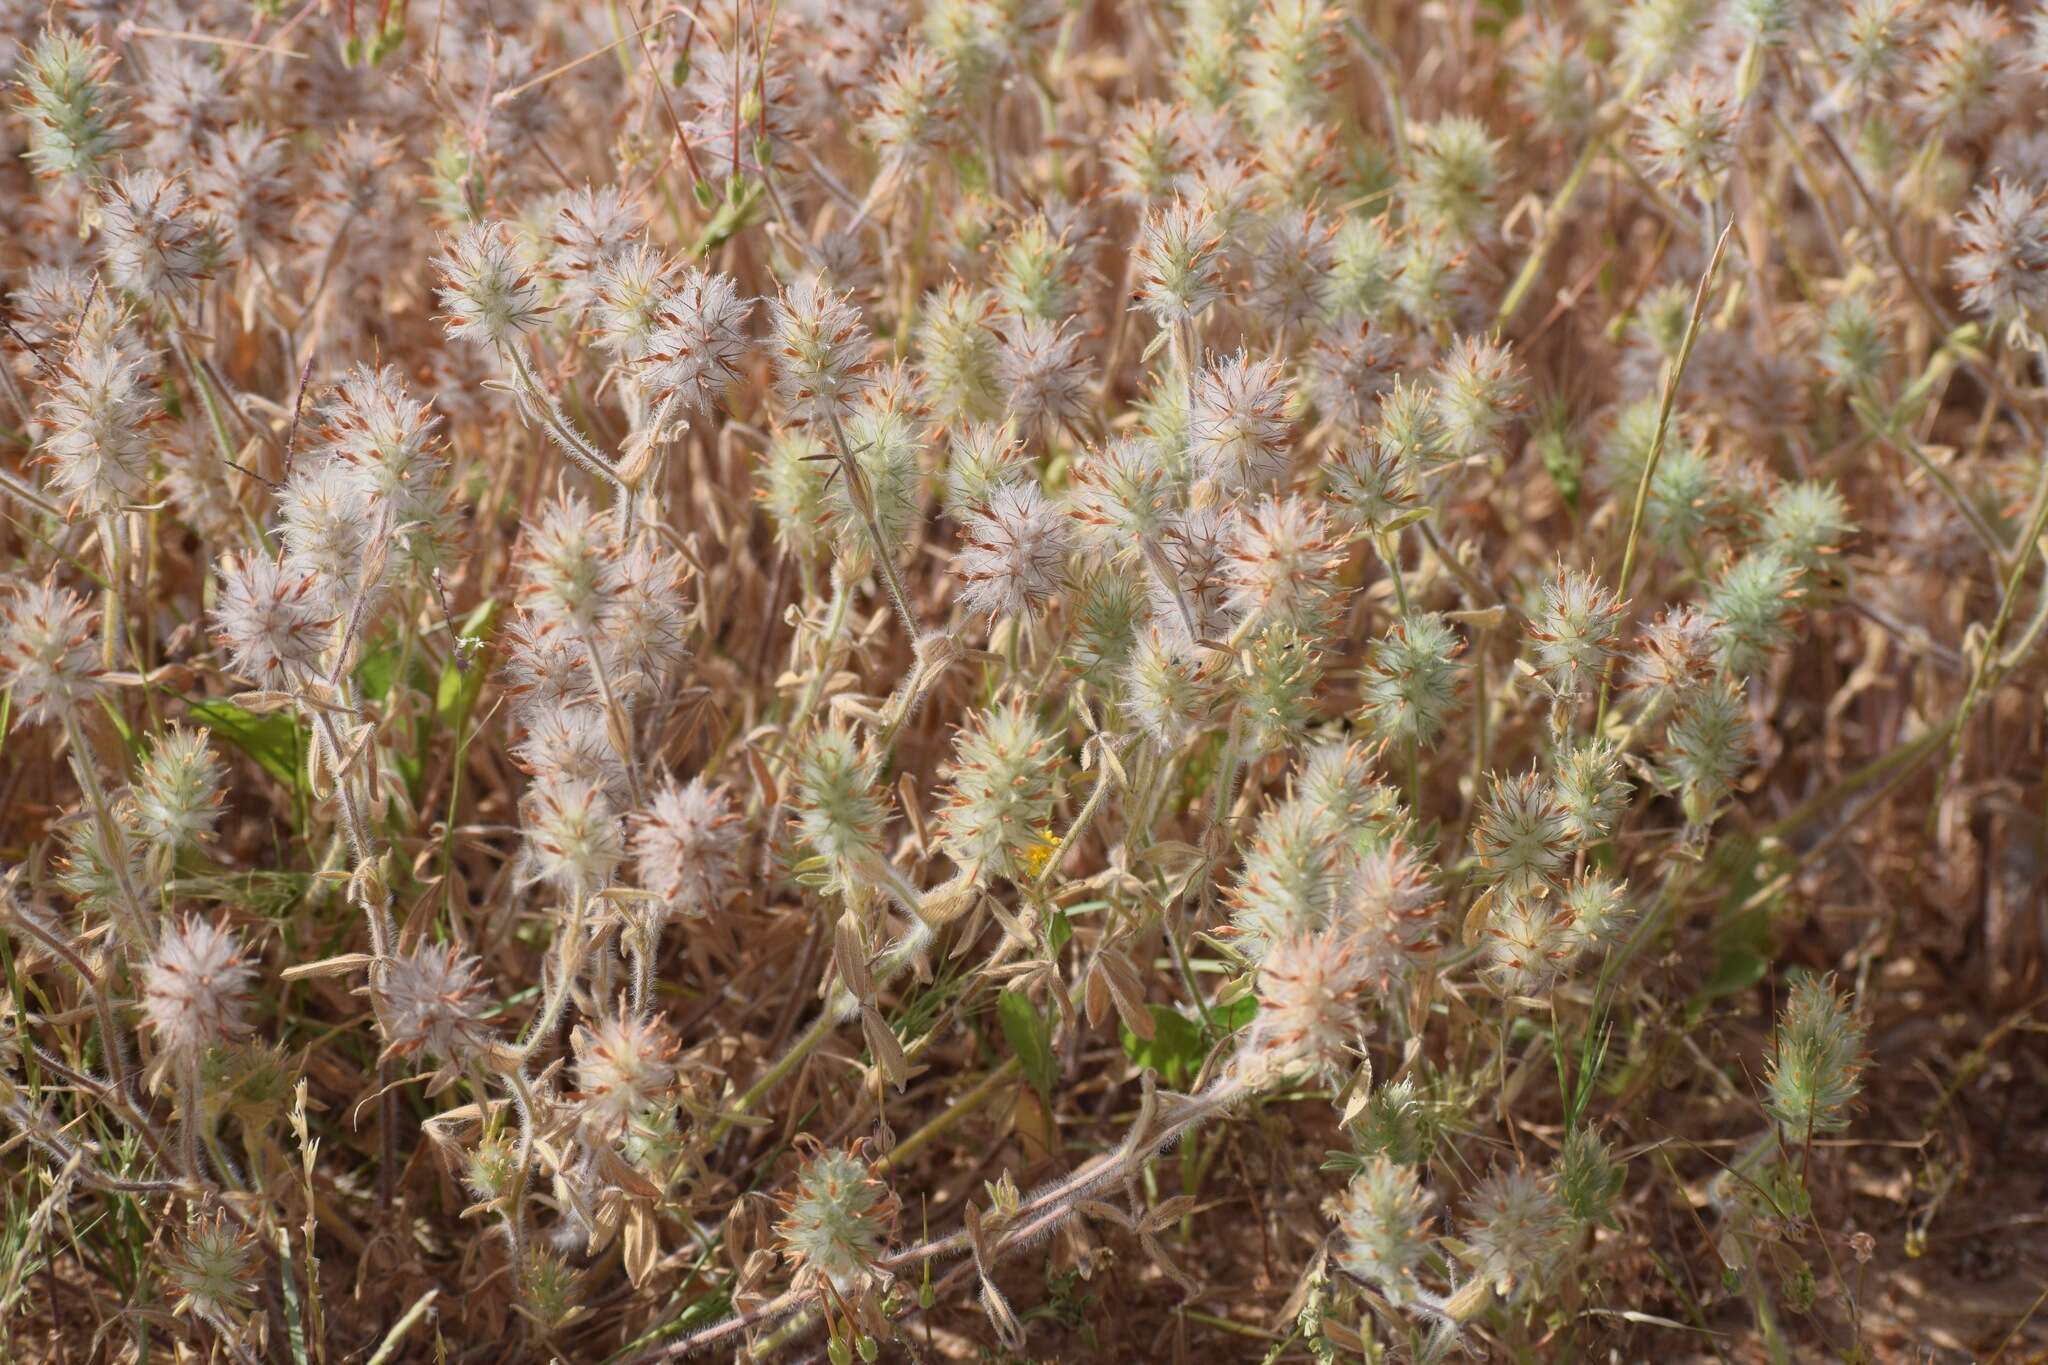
(1042, 847)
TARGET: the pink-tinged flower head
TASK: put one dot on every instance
(573, 837)
(1238, 430)
(1309, 1018)
(624, 1066)
(430, 1000)
(272, 622)
(686, 846)
(1013, 552)
(195, 988)
(1283, 564)
(49, 654)
(2001, 260)
(697, 342)
(490, 294)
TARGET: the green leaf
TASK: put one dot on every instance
(275, 740)
(1235, 1015)
(267, 895)
(1736, 968)
(1058, 930)
(121, 727)
(455, 694)
(742, 198)
(1742, 938)
(1175, 1049)
(377, 671)
(1030, 1038)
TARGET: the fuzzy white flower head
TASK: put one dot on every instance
(327, 527)
(1575, 636)
(1961, 74)
(546, 668)
(195, 988)
(213, 1269)
(1043, 375)
(1190, 580)
(980, 458)
(155, 247)
(624, 1066)
(383, 441)
(957, 353)
(2001, 260)
(1291, 269)
(1349, 364)
(70, 106)
(1590, 789)
(1385, 1224)
(1289, 872)
(646, 617)
(273, 623)
(1337, 778)
(49, 656)
(573, 837)
(837, 1219)
(242, 187)
(1517, 1230)
(1013, 552)
(179, 790)
(1148, 152)
(488, 290)
(1599, 911)
(96, 425)
(1122, 496)
(1000, 792)
(914, 106)
(1689, 125)
(686, 846)
(592, 228)
(1522, 835)
(1180, 266)
(697, 342)
(1283, 564)
(1478, 390)
(1238, 430)
(743, 107)
(1309, 1018)
(565, 564)
(1675, 653)
(630, 291)
(568, 742)
(821, 351)
(1528, 942)
(1169, 689)
(1387, 905)
(430, 1000)
(839, 811)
